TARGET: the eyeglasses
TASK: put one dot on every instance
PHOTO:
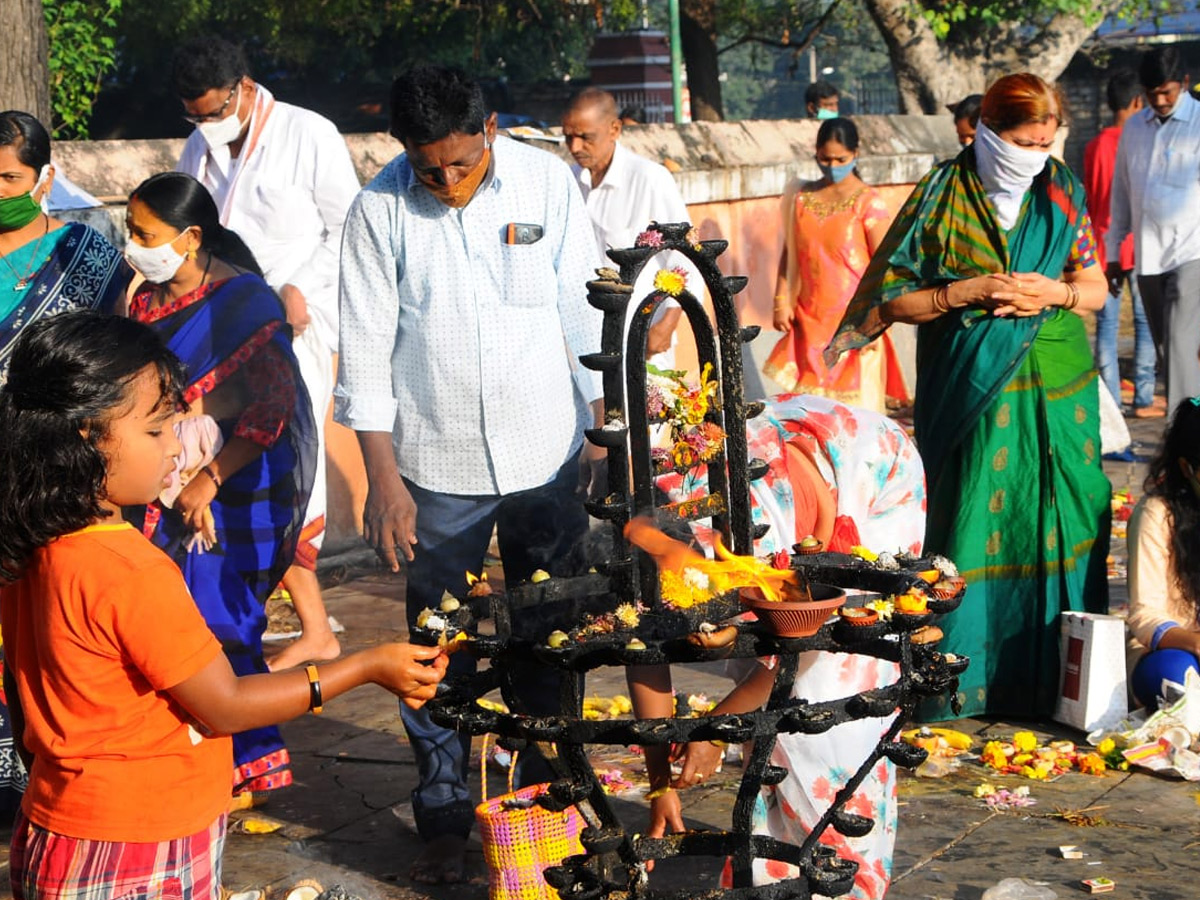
(219, 114)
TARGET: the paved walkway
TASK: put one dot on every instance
(347, 820)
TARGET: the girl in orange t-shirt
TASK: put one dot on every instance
(114, 679)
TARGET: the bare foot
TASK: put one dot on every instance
(306, 648)
(443, 861)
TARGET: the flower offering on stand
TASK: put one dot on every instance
(671, 401)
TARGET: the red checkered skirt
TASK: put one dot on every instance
(48, 866)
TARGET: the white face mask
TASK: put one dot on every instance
(223, 131)
(1007, 171)
(158, 265)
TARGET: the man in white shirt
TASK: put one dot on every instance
(1155, 195)
(463, 317)
(282, 179)
(624, 193)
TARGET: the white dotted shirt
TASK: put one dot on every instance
(463, 346)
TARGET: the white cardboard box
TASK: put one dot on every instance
(1092, 683)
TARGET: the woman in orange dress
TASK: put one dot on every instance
(832, 228)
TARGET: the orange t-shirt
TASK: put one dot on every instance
(97, 628)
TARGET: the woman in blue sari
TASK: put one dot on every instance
(233, 514)
(46, 267)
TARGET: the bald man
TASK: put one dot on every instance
(624, 193)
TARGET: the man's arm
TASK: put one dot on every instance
(364, 398)
(1120, 212)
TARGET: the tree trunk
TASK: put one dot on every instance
(24, 77)
(932, 74)
(698, 35)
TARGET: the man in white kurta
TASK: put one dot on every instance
(624, 193)
(282, 179)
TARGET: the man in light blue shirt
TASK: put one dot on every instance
(463, 317)
(1155, 196)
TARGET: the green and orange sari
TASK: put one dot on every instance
(1007, 423)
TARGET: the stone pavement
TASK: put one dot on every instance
(347, 820)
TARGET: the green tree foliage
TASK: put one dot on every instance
(82, 43)
(942, 50)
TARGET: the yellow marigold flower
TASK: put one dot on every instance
(1039, 772)
(1091, 764)
(670, 281)
(693, 408)
(683, 456)
(674, 590)
(993, 755)
(1106, 746)
(1021, 759)
(1025, 741)
(627, 615)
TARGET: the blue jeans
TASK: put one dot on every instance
(1143, 347)
(536, 529)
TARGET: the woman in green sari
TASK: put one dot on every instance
(993, 257)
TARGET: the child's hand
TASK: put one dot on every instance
(666, 815)
(410, 671)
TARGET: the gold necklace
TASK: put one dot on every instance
(23, 280)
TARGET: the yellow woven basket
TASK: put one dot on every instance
(521, 839)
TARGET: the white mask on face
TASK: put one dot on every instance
(1006, 171)
(224, 131)
(158, 265)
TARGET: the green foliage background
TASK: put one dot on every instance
(340, 47)
(82, 42)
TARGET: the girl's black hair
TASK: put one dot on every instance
(68, 376)
(27, 135)
(1166, 480)
(842, 130)
(182, 202)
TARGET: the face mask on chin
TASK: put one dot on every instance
(459, 195)
(158, 265)
(17, 212)
(224, 131)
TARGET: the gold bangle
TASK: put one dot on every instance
(314, 690)
(941, 298)
(782, 301)
(1072, 300)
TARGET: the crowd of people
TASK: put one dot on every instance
(179, 389)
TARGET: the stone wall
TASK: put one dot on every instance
(731, 174)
